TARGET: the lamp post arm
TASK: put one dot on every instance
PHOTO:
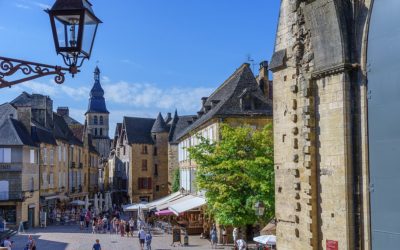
(32, 70)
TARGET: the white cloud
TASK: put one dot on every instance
(149, 96)
(22, 6)
(54, 90)
(42, 5)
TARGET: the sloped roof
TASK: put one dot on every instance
(159, 125)
(13, 133)
(42, 135)
(61, 129)
(138, 130)
(182, 122)
(5, 110)
(71, 121)
(225, 101)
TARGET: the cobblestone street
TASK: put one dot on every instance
(71, 238)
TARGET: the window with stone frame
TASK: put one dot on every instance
(155, 169)
(144, 149)
(101, 120)
(144, 165)
(155, 151)
(95, 121)
(32, 156)
(44, 153)
(144, 183)
(51, 156)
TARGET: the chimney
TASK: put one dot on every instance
(169, 117)
(25, 116)
(203, 100)
(263, 80)
(63, 111)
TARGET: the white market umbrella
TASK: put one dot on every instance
(105, 208)
(101, 203)
(77, 203)
(110, 207)
(96, 204)
(266, 239)
(87, 203)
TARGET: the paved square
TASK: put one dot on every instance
(71, 238)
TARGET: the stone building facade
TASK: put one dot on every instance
(320, 130)
(242, 99)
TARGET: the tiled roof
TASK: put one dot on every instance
(13, 133)
(5, 110)
(159, 125)
(179, 123)
(226, 100)
(43, 135)
(138, 130)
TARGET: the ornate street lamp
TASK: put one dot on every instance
(259, 208)
(74, 26)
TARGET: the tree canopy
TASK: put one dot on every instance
(236, 172)
(175, 183)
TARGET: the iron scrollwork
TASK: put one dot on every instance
(31, 70)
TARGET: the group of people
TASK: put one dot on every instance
(30, 245)
(239, 243)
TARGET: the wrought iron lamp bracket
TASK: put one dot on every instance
(31, 70)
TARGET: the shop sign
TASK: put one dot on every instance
(332, 245)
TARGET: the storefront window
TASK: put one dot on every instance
(9, 213)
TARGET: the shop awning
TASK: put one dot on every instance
(52, 197)
(164, 200)
(164, 213)
(135, 207)
(191, 202)
(172, 202)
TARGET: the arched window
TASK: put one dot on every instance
(95, 120)
(101, 120)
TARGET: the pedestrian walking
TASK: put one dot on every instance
(235, 235)
(31, 244)
(148, 239)
(104, 222)
(241, 244)
(96, 245)
(87, 219)
(8, 243)
(132, 226)
(82, 220)
(94, 225)
(214, 237)
(224, 236)
(142, 238)
(127, 228)
(122, 228)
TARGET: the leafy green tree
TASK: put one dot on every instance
(176, 180)
(236, 172)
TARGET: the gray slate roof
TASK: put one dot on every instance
(159, 125)
(5, 110)
(13, 133)
(138, 130)
(179, 123)
(97, 103)
(226, 100)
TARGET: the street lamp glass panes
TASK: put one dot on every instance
(89, 34)
(67, 32)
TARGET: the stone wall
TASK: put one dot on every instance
(318, 108)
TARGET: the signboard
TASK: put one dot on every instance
(332, 245)
(176, 235)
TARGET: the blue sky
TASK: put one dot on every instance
(155, 55)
